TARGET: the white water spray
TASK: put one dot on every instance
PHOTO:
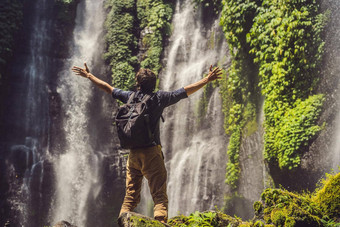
(77, 168)
(196, 167)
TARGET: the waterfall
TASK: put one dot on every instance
(195, 155)
(27, 118)
(77, 166)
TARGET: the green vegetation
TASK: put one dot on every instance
(155, 18)
(327, 196)
(283, 208)
(11, 17)
(122, 39)
(279, 207)
(202, 105)
(238, 90)
(141, 222)
(126, 23)
(276, 45)
(208, 219)
(286, 40)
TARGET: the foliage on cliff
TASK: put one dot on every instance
(276, 45)
(238, 90)
(122, 39)
(155, 18)
(286, 40)
(127, 22)
(11, 15)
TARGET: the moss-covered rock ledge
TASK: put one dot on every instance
(132, 219)
(277, 208)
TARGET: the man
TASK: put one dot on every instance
(148, 161)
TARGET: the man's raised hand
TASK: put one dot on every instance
(84, 72)
(214, 74)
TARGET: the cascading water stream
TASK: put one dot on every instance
(197, 164)
(77, 167)
(195, 155)
(30, 111)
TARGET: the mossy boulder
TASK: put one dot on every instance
(284, 208)
(209, 218)
(328, 196)
(278, 207)
(132, 219)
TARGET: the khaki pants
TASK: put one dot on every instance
(147, 162)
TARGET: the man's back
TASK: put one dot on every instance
(156, 105)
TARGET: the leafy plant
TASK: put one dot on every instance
(286, 41)
(283, 39)
(155, 18)
(202, 219)
(238, 89)
(127, 22)
(121, 41)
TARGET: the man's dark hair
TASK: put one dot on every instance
(146, 80)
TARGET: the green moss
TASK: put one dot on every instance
(258, 207)
(327, 196)
(251, 127)
(279, 207)
(178, 220)
(215, 219)
(141, 222)
(283, 208)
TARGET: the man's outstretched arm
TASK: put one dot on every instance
(85, 72)
(213, 75)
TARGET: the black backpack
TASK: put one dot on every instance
(133, 123)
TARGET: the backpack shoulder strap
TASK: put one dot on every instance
(146, 98)
(132, 96)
